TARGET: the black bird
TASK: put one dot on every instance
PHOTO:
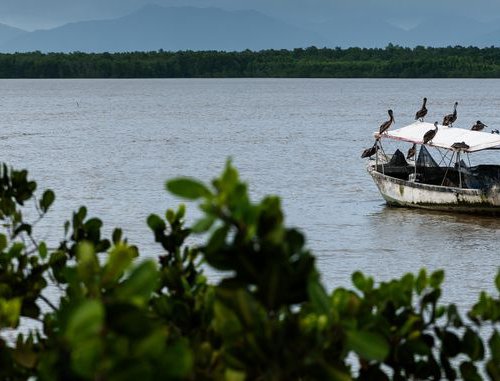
(411, 152)
(449, 119)
(369, 152)
(479, 126)
(429, 135)
(422, 112)
(460, 146)
(495, 132)
(385, 126)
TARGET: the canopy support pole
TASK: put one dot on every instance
(383, 152)
(447, 168)
(459, 171)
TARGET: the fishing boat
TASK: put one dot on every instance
(449, 184)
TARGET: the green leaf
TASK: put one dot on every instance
(3, 242)
(47, 200)
(177, 361)
(494, 343)
(156, 223)
(437, 278)
(493, 369)
(335, 374)
(88, 263)
(359, 281)
(141, 283)
(85, 322)
(497, 281)
(215, 243)
(318, 296)
(421, 281)
(234, 375)
(117, 235)
(42, 250)
(368, 345)
(225, 322)
(187, 188)
(451, 344)
(181, 211)
(120, 258)
(151, 345)
(469, 372)
(243, 304)
(85, 357)
(10, 311)
(473, 345)
(25, 356)
(203, 224)
(170, 216)
(23, 228)
(454, 316)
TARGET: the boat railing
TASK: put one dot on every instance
(478, 177)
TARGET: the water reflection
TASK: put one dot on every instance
(412, 214)
(464, 245)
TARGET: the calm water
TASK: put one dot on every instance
(111, 144)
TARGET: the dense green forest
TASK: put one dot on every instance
(391, 62)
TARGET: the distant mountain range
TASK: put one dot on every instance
(8, 33)
(191, 28)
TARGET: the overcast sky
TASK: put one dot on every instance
(35, 14)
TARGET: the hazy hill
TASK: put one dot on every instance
(491, 37)
(352, 30)
(192, 28)
(174, 28)
(8, 33)
(461, 30)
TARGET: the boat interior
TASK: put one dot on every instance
(429, 172)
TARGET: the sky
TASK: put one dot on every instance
(40, 14)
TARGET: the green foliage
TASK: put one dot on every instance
(391, 62)
(268, 316)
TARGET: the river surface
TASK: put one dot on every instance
(111, 144)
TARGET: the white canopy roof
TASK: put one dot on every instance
(445, 137)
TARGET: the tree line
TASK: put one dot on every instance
(390, 62)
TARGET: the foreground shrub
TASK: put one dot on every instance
(269, 317)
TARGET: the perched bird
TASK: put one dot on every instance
(429, 135)
(411, 152)
(495, 132)
(385, 126)
(478, 126)
(369, 152)
(422, 112)
(460, 146)
(449, 119)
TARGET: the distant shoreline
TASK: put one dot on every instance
(390, 62)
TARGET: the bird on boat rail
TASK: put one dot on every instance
(369, 152)
(411, 152)
(429, 135)
(479, 126)
(449, 119)
(422, 112)
(385, 126)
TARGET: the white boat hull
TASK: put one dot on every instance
(404, 193)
